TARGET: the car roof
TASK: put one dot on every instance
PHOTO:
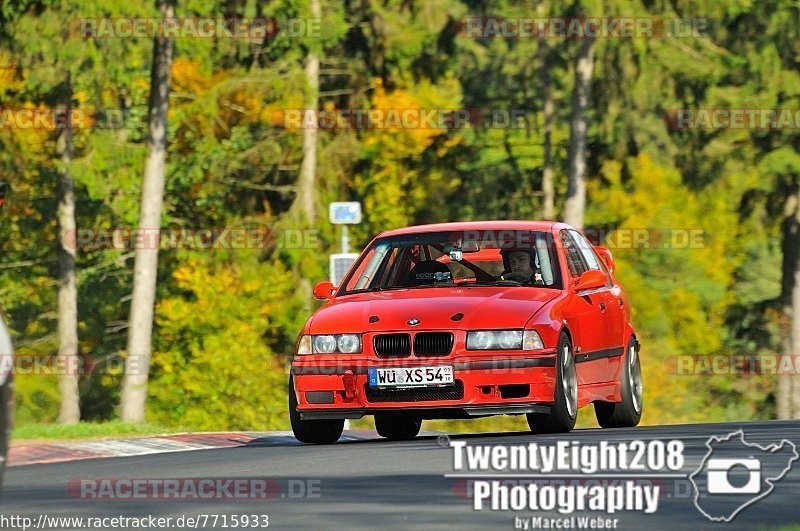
(475, 225)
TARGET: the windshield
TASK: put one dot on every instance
(460, 258)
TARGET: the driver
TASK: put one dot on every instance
(519, 267)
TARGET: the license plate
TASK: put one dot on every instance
(411, 376)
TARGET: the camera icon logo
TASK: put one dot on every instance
(735, 473)
(720, 482)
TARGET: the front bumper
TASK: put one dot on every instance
(338, 387)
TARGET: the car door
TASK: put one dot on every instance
(611, 307)
(587, 311)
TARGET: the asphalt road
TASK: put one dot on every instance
(381, 484)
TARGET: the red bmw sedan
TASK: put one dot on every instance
(464, 320)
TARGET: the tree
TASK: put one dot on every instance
(69, 412)
(137, 364)
(575, 204)
(305, 199)
(788, 392)
(548, 110)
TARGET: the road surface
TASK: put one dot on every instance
(378, 483)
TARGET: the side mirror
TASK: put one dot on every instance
(605, 256)
(590, 280)
(4, 189)
(324, 290)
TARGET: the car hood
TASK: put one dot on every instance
(482, 307)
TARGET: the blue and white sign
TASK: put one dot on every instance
(345, 213)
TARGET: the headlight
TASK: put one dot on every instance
(324, 344)
(480, 340)
(349, 343)
(329, 344)
(510, 339)
(504, 340)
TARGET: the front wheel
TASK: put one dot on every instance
(564, 412)
(312, 431)
(397, 428)
(625, 414)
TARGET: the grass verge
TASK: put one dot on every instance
(86, 430)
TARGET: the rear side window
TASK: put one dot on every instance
(586, 250)
(575, 261)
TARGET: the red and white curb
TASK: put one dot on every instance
(59, 452)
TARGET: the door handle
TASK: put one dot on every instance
(621, 302)
(602, 306)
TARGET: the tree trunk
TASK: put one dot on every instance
(548, 187)
(576, 188)
(69, 411)
(788, 393)
(306, 185)
(140, 331)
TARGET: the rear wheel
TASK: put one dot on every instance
(564, 412)
(396, 427)
(627, 413)
(312, 431)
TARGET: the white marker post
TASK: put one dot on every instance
(343, 213)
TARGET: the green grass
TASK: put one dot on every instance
(86, 430)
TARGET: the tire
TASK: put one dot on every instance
(564, 412)
(312, 431)
(397, 428)
(625, 414)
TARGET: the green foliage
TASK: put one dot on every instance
(678, 279)
(227, 318)
(213, 368)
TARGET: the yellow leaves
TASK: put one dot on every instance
(184, 274)
(612, 172)
(81, 96)
(438, 100)
(395, 187)
(687, 239)
(174, 309)
(679, 286)
(448, 144)
(244, 105)
(8, 74)
(186, 76)
(214, 370)
(691, 336)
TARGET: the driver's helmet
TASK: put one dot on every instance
(511, 247)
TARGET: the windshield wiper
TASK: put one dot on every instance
(498, 282)
(434, 285)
